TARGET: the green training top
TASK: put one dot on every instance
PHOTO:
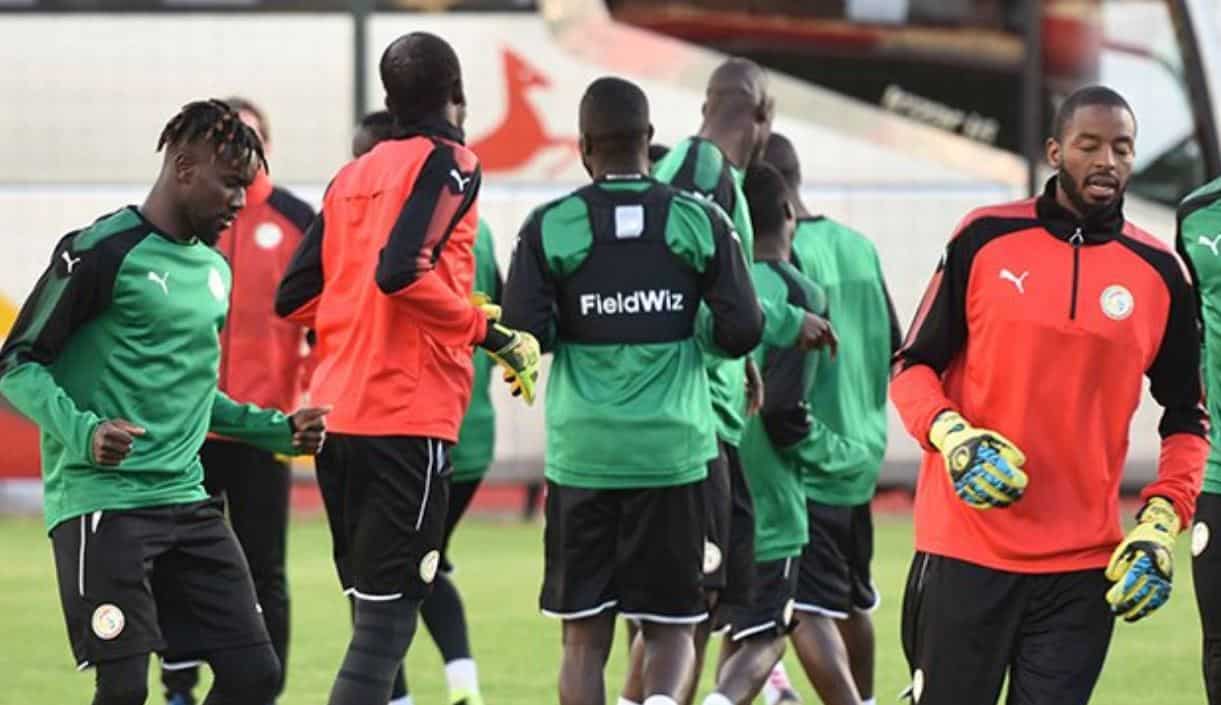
(609, 278)
(847, 442)
(698, 166)
(477, 436)
(772, 440)
(1199, 237)
(125, 324)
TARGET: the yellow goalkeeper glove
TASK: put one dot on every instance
(985, 467)
(1142, 566)
(518, 353)
(491, 309)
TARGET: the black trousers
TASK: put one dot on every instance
(255, 486)
(1206, 574)
(965, 626)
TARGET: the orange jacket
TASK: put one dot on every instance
(1042, 328)
(262, 358)
(384, 277)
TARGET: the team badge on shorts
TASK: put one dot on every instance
(108, 621)
(712, 557)
(1199, 538)
(917, 685)
(428, 565)
(788, 612)
(1117, 302)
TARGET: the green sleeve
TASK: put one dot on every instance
(781, 321)
(828, 452)
(75, 288)
(32, 390)
(267, 429)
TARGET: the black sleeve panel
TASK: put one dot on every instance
(75, 288)
(1174, 376)
(444, 191)
(784, 415)
(298, 212)
(302, 283)
(737, 320)
(939, 330)
(896, 329)
(529, 297)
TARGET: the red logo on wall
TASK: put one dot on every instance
(522, 135)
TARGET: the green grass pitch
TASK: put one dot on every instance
(499, 567)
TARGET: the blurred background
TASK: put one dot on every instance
(907, 113)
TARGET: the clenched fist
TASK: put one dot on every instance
(112, 441)
(816, 332)
(309, 429)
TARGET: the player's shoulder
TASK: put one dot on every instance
(842, 235)
(1156, 253)
(698, 208)
(463, 157)
(125, 221)
(295, 210)
(1207, 196)
(997, 219)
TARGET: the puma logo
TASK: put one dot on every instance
(70, 261)
(1211, 244)
(1018, 282)
(457, 177)
(162, 281)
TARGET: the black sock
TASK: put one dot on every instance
(446, 621)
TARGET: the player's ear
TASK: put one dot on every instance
(1054, 155)
(650, 139)
(585, 145)
(185, 165)
(789, 213)
(457, 94)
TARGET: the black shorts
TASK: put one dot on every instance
(965, 626)
(170, 579)
(638, 551)
(1206, 576)
(386, 498)
(835, 578)
(460, 496)
(729, 551)
(771, 614)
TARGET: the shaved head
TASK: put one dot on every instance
(781, 154)
(421, 75)
(738, 110)
(613, 108)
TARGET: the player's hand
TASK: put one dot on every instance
(1142, 566)
(518, 353)
(754, 388)
(113, 439)
(816, 333)
(491, 310)
(309, 429)
(985, 467)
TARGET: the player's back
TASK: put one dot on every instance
(377, 365)
(610, 277)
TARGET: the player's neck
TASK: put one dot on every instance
(159, 210)
(732, 136)
(625, 166)
(768, 251)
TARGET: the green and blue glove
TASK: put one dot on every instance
(1142, 566)
(985, 467)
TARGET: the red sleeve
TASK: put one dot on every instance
(443, 193)
(1180, 472)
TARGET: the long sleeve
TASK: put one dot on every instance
(736, 320)
(268, 429)
(74, 289)
(299, 290)
(529, 297)
(936, 337)
(781, 323)
(1174, 380)
(830, 452)
(444, 192)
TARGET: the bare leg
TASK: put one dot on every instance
(745, 666)
(587, 645)
(857, 633)
(825, 659)
(669, 657)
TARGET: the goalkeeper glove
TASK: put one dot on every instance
(984, 466)
(518, 353)
(490, 309)
(1142, 566)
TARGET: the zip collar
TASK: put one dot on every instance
(1098, 226)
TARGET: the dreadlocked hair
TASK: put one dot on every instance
(215, 122)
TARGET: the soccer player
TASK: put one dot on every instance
(835, 595)
(442, 610)
(772, 448)
(384, 276)
(1035, 333)
(1199, 228)
(737, 117)
(609, 279)
(115, 357)
(260, 363)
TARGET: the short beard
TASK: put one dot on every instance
(1073, 190)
